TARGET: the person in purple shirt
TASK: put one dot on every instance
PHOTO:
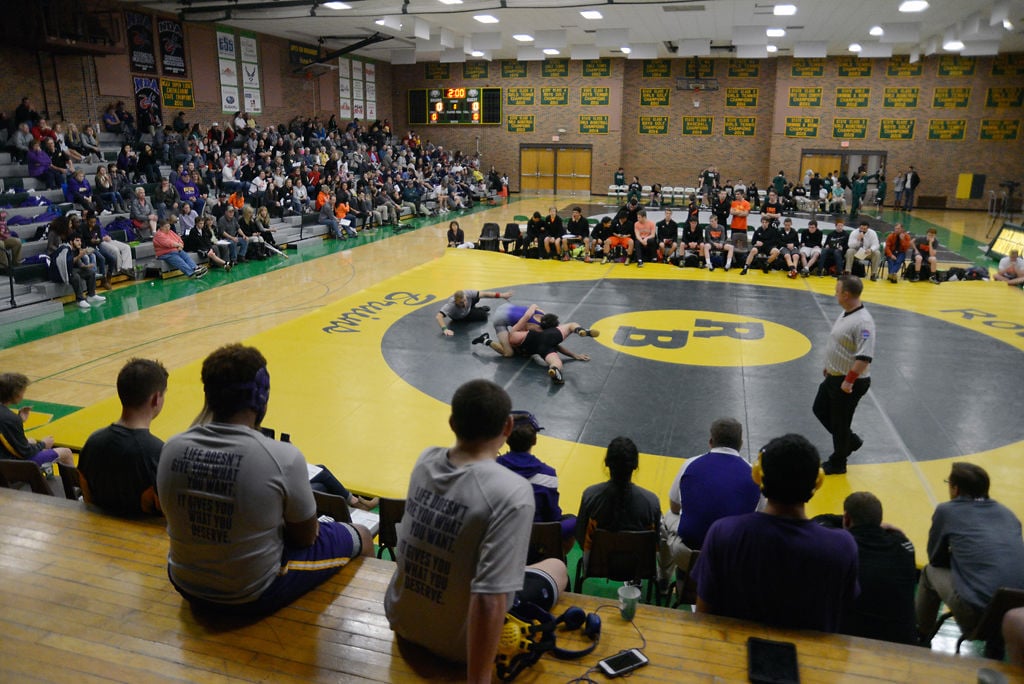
(542, 477)
(41, 167)
(777, 567)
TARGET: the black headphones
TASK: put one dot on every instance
(576, 618)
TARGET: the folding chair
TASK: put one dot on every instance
(621, 557)
(545, 542)
(14, 471)
(489, 236)
(332, 505)
(508, 241)
(989, 627)
(391, 512)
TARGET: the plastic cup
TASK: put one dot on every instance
(629, 597)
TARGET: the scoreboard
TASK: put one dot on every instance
(458, 105)
(454, 105)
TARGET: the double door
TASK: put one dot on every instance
(555, 169)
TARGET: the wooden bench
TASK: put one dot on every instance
(86, 598)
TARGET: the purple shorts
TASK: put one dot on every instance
(45, 456)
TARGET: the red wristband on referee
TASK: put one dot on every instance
(851, 377)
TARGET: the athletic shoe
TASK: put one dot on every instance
(744, 271)
(874, 277)
(482, 339)
(584, 332)
(915, 278)
(96, 299)
(485, 309)
(556, 376)
(766, 267)
(565, 257)
(727, 267)
(640, 263)
(711, 268)
(227, 266)
(82, 304)
(604, 260)
(804, 272)
(587, 259)
(934, 279)
(792, 273)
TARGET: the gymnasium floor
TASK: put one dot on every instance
(360, 376)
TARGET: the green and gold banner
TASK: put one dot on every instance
(657, 68)
(476, 69)
(653, 125)
(1008, 64)
(899, 65)
(520, 123)
(951, 98)
(853, 97)
(592, 96)
(1004, 97)
(947, 129)
(654, 97)
(901, 98)
(849, 129)
(699, 68)
(436, 71)
(853, 67)
(554, 95)
(741, 97)
(744, 68)
(520, 96)
(597, 68)
(955, 65)
(805, 97)
(896, 129)
(999, 129)
(593, 124)
(510, 68)
(802, 126)
(743, 126)
(698, 125)
(807, 66)
(554, 68)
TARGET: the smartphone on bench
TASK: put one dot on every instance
(622, 662)
(772, 662)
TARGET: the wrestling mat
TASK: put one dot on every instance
(362, 384)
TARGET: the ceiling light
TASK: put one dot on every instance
(854, 47)
(877, 31)
(476, 53)
(1007, 24)
(591, 14)
(337, 5)
(953, 45)
(450, 2)
(784, 10)
(913, 5)
(771, 48)
(775, 33)
(625, 50)
(523, 37)
(486, 18)
(551, 51)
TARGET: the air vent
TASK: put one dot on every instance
(682, 8)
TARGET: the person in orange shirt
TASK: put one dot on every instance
(646, 239)
(898, 246)
(322, 197)
(739, 210)
(341, 211)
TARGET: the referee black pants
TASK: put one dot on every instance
(834, 408)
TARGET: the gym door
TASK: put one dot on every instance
(537, 169)
(573, 170)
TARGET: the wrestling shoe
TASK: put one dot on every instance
(914, 278)
(804, 272)
(744, 271)
(792, 273)
(583, 332)
(640, 263)
(831, 468)
(604, 260)
(482, 339)
(711, 268)
(556, 376)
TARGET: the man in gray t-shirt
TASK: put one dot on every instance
(462, 306)
(463, 540)
(244, 534)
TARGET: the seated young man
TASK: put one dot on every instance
(1011, 269)
(811, 242)
(716, 242)
(621, 238)
(242, 522)
(668, 237)
(117, 466)
(777, 567)
(462, 544)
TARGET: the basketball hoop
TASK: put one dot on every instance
(696, 96)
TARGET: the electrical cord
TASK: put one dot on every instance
(585, 678)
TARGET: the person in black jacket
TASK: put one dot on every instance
(765, 241)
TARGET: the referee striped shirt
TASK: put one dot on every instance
(852, 338)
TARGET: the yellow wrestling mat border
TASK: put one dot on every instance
(345, 407)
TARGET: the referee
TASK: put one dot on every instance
(847, 361)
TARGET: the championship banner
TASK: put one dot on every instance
(147, 101)
(172, 47)
(139, 28)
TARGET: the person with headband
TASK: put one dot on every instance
(777, 567)
(242, 522)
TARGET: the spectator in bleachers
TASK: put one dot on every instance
(974, 549)
(73, 139)
(887, 572)
(169, 247)
(384, 208)
(542, 478)
(92, 236)
(111, 123)
(249, 228)
(327, 218)
(117, 466)
(617, 505)
(63, 146)
(109, 198)
(60, 162)
(20, 142)
(90, 144)
(228, 229)
(264, 227)
(8, 243)
(864, 244)
(187, 218)
(42, 130)
(301, 201)
(70, 265)
(128, 162)
(13, 441)
(899, 246)
(148, 165)
(166, 199)
(202, 240)
(143, 215)
(80, 191)
(777, 567)
(24, 113)
(41, 167)
(128, 128)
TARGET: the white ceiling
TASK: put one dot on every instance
(837, 23)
